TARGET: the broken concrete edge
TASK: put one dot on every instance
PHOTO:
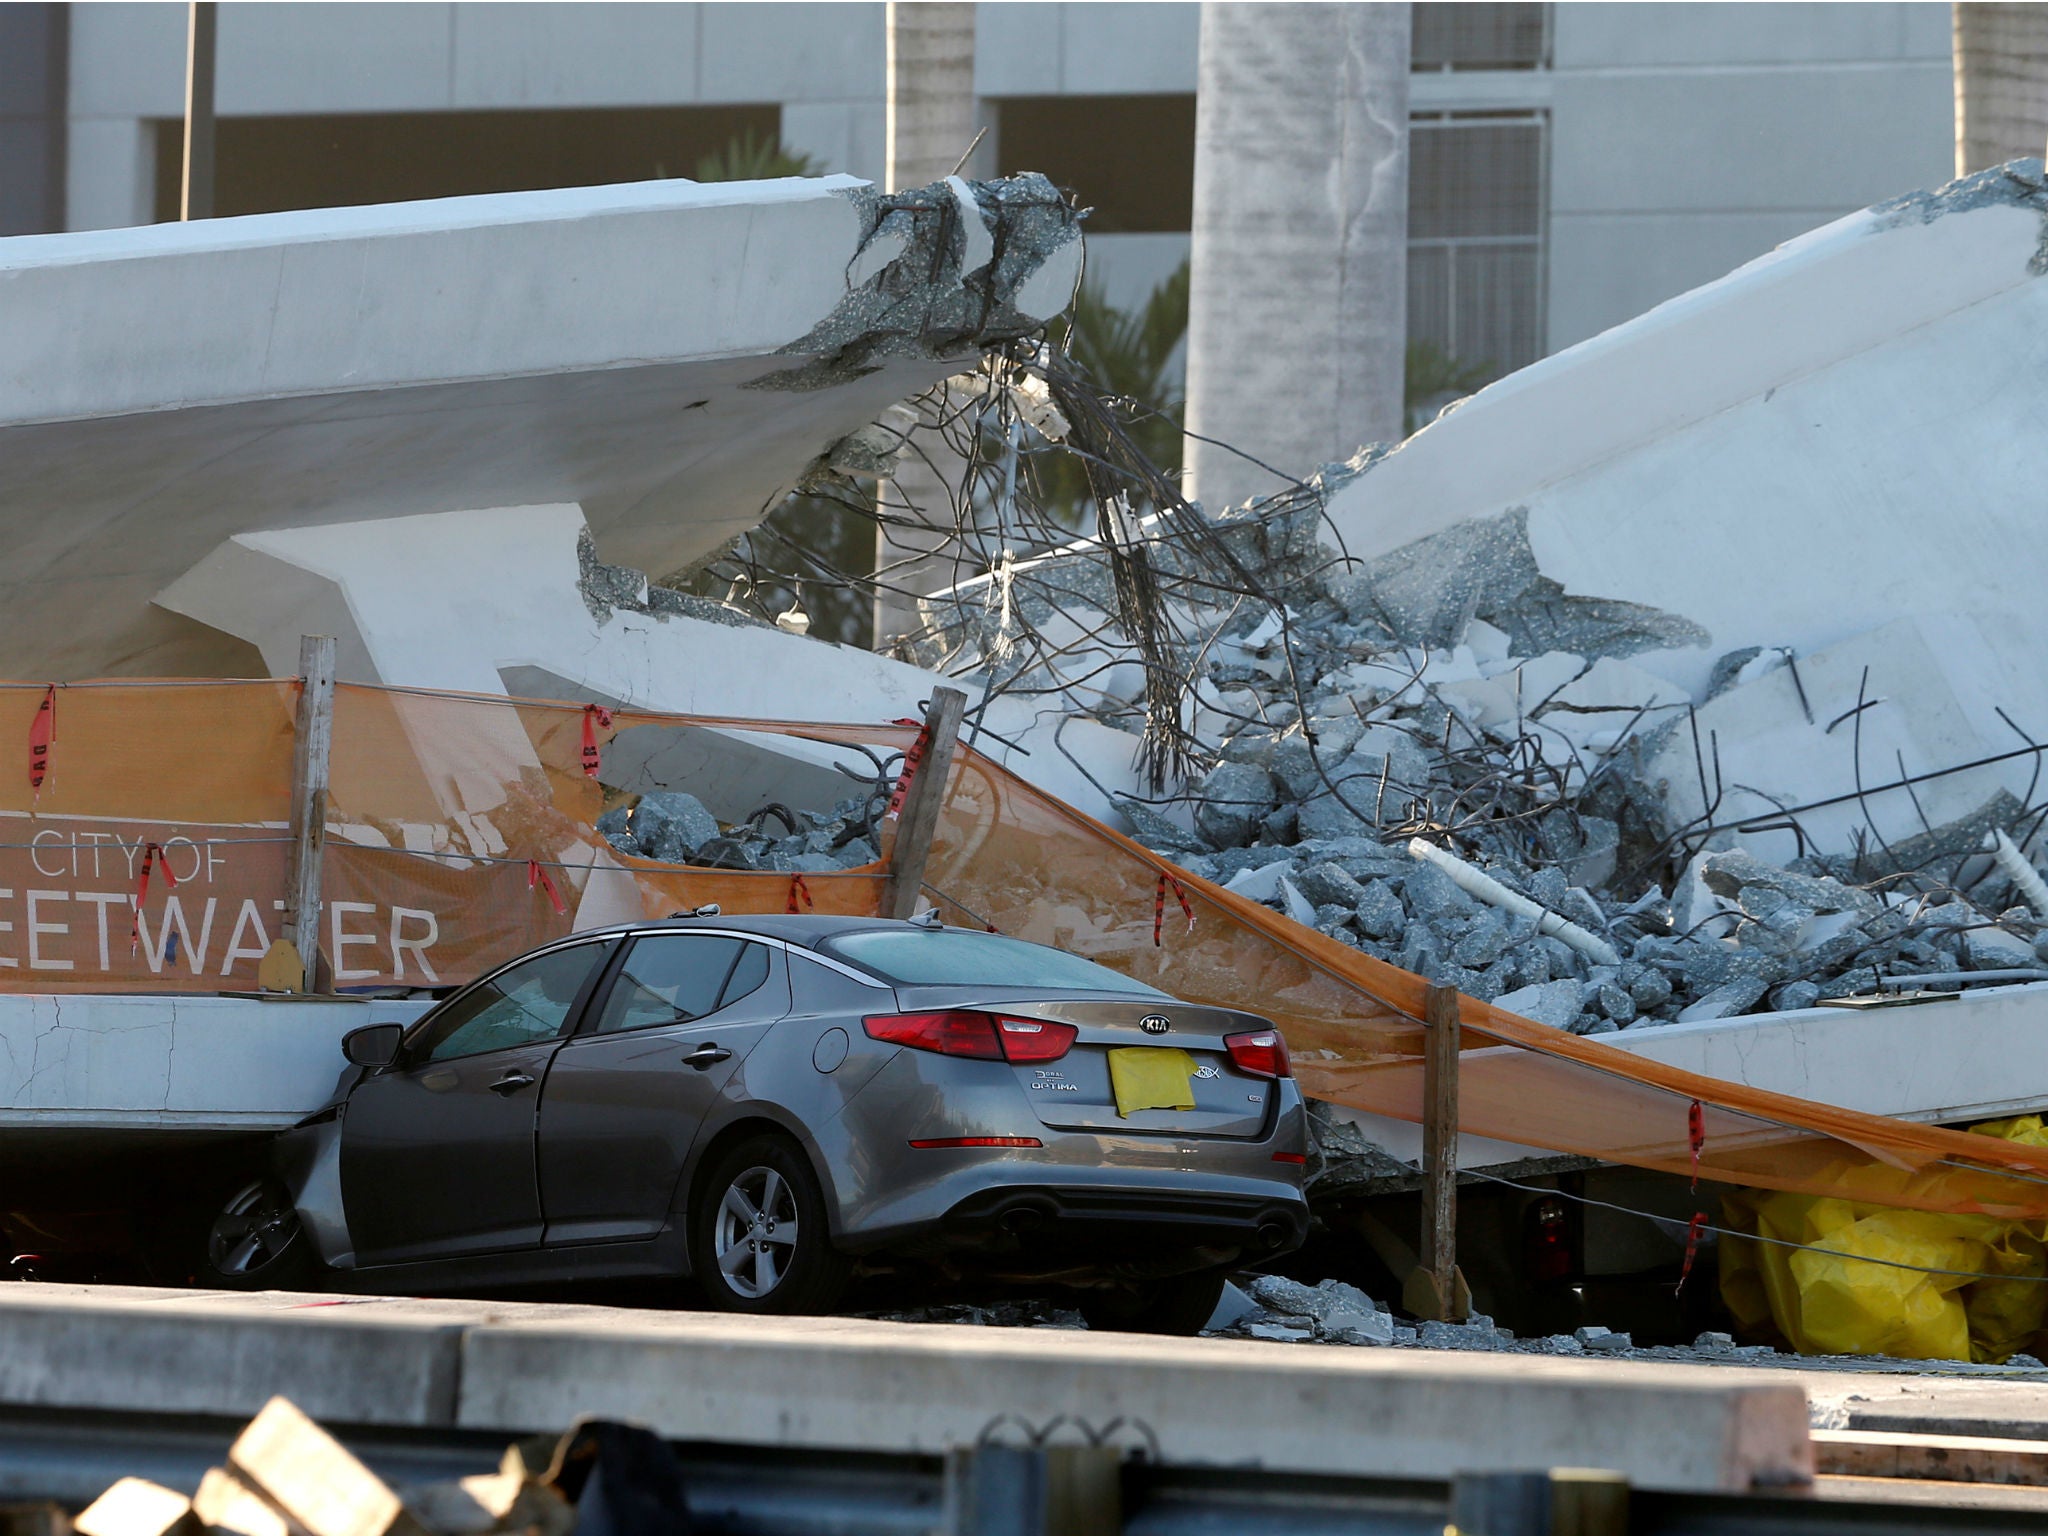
(833, 1383)
(943, 271)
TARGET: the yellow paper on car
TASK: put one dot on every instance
(1151, 1077)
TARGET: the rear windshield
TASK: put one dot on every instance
(959, 957)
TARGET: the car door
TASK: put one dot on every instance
(625, 1097)
(437, 1150)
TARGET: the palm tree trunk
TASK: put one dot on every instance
(2001, 66)
(1297, 323)
(930, 121)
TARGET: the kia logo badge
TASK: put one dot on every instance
(1155, 1023)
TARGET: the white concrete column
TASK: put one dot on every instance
(1297, 323)
(110, 173)
(930, 120)
(2001, 71)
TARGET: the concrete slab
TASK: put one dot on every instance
(855, 1385)
(1833, 435)
(1929, 1404)
(1940, 1062)
(146, 1064)
(831, 1383)
(633, 349)
(109, 1348)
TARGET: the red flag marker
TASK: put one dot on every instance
(1696, 1134)
(595, 718)
(1159, 905)
(1692, 1248)
(42, 735)
(151, 852)
(535, 875)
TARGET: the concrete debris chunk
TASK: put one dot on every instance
(225, 1503)
(671, 826)
(511, 1499)
(134, 1506)
(1233, 1306)
(1732, 997)
(1991, 949)
(313, 1479)
(1556, 1003)
(1599, 1341)
(1284, 1333)
(1234, 799)
(1290, 1298)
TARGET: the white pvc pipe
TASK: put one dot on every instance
(2025, 878)
(1477, 882)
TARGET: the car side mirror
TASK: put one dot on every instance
(374, 1045)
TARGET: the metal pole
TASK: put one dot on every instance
(1440, 1148)
(918, 821)
(315, 737)
(196, 198)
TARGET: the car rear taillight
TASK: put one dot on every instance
(1548, 1241)
(1028, 1040)
(965, 1032)
(1261, 1052)
(978, 1141)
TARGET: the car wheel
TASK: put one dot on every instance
(257, 1242)
(760, 1240)
(1178, 1304)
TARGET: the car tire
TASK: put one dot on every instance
(1177, 1304)
(257, 1242)
(742, 1250)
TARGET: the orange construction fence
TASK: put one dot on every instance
(152, 855)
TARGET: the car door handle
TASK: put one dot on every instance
(511, 1083)
(706, 1055)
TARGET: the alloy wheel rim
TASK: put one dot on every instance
(755, 1235)
(251, 1232)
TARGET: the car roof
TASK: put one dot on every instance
(806, 928)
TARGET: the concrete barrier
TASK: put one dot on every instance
(841, 1384)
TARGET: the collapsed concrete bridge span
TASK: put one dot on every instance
(668, 356)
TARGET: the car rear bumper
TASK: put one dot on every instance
(1053, 1193)
(1118, 1222)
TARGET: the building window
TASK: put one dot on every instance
(1453, 36)
(1475, 248)
(1130, 158)
(266, 164)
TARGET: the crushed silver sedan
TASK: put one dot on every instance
(767, 1103)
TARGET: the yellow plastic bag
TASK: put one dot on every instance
(1151, 1077)
(1871, 1279)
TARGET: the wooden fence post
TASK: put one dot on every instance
(919, 819)
(1440, 1149)
(309, 802)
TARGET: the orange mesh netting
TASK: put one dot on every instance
(1038, 869)
(461, 830)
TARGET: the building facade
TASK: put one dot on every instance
(1573, 164)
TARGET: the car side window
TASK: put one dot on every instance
(672, 978)
(521, 1005)
(749, 975)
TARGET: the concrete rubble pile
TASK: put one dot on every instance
(1276, 1309)
(675, 827)
(1441, 758)
(286, 1476)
